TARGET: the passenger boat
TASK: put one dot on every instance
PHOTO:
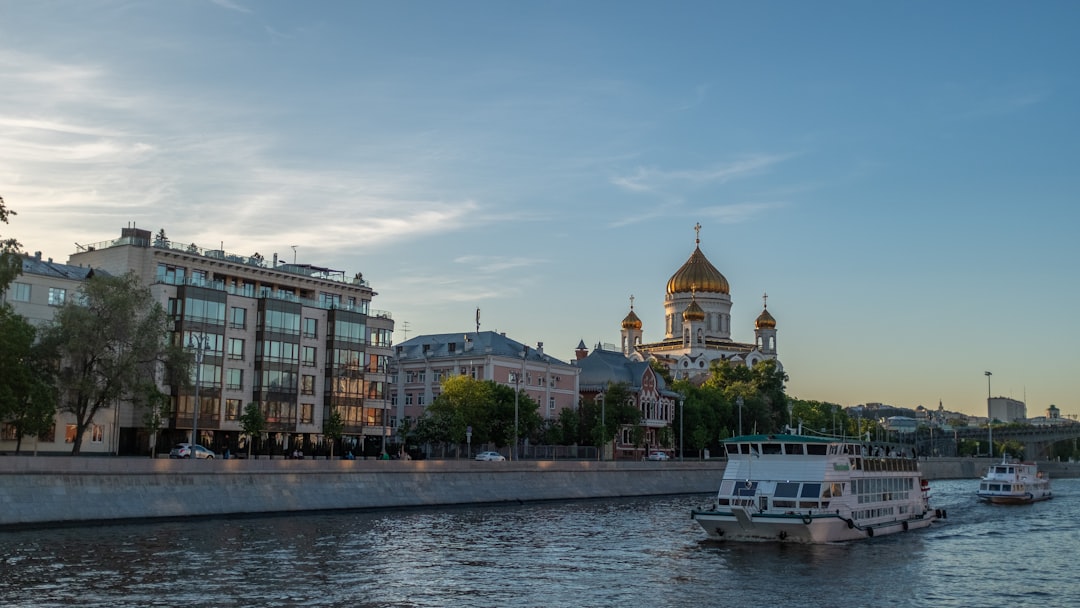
(1014, 483)
(808, 489)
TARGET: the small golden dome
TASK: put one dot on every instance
(693, 312)
(698, 272)
(631, 321)
(765, 320)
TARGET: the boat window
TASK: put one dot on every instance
(747, 488)
(811, 490)
(816, 449)
(726, 487)
(786, 490)
(837, 489)
(793, 448)
(770, 448)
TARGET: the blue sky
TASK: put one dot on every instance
(899, 177)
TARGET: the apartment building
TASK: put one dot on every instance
(296, 339)
(422, 363)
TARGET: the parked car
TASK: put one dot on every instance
(183, 450)
(658, 456)
(489, 456)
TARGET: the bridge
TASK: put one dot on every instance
(1037, 440)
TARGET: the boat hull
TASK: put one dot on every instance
(741, 525)
(1016, 499)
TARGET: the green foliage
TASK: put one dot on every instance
(157, 407)
(10, 250)
(822, 417)
(27, 391)
(661, 370)
(486, 406)
(333, 427)
(109, 341)
(252, 423)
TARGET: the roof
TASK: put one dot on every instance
(604, 366)
(49, 268)
(783, 437)
(469, 344)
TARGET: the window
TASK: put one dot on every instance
(236, 348)
(205, 311)
(237, 317)
(69, 434)
(551, 403)
(281, 352)
(408, 398)
(307, 385)
(232, 409)
(307, 357)
(307, 413)
(348, 330)
(8, 432)
(97, 433)
(282, 322)
(57, 295)
(330, 300)
(234, 379)
(20, 292)
(420, 399)
(171, 275)
(311, 328)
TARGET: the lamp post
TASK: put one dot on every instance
(682, 411)
(524, 355)
(199, 343)
(603, 426)
(739, 401)
(989, 414)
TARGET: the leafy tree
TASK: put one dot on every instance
(569, 425)
(157, 407)
(483, 404)
(10, 250)
(661, 370)
(252, 423)
(109, 341)
(333, 427)
(27, 392)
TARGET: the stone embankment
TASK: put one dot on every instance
(59, 490)
(35, 491)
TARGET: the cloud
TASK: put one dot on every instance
(647, 179)
(493, 264)
(232, 6)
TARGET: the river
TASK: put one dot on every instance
(643, 553)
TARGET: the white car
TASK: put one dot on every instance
(489, 456)
(183, 450)
(658, 456)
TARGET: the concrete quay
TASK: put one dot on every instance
(61, 490)
(38, 491)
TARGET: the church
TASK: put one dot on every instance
(697, 323)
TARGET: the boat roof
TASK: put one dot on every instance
(785, 437)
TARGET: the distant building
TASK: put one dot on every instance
(295, 339)
(43, 286)
(1005, 409)
(420, 365)
(647, 389)
(697, 313)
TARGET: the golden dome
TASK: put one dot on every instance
(631, 321)
(700, 273)
(693, 312)
(765, 320)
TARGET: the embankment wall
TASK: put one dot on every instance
(66, 490)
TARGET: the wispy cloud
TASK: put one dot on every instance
(232, 6)
(648, 179)
(492, 264)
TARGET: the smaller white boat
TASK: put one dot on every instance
(1014, 483)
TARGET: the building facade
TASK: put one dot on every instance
(421, 364)
(295, 339)
(43, 286)
(648, 392)
(1004, 409)
(697, 323)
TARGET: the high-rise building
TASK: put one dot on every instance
(296, 339)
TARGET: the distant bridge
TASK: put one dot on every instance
(1037, 440)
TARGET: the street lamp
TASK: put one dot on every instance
(524, 355)
(682, 411)
(989, 414)
(199, 342)
(739, 401)
(603, 426)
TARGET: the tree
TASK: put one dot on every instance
(27, 392)
(333, 427)
(10, 252)
(109, 340)
(252, 423)
(156, 410)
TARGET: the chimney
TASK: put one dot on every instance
(540, 348)
(37, 255)
(275, 261)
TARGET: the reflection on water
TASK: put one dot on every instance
(637, 552)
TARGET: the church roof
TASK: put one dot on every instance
(765, 320)
(631, 321)
(698, 274)
(693, 312)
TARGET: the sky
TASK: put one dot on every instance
(900, 178)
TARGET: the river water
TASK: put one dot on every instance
(641, 553)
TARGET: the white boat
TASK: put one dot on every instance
(798, 488)
(1014, 483)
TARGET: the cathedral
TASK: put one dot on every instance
(697, 323)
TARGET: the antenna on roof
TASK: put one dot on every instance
(405, 329)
